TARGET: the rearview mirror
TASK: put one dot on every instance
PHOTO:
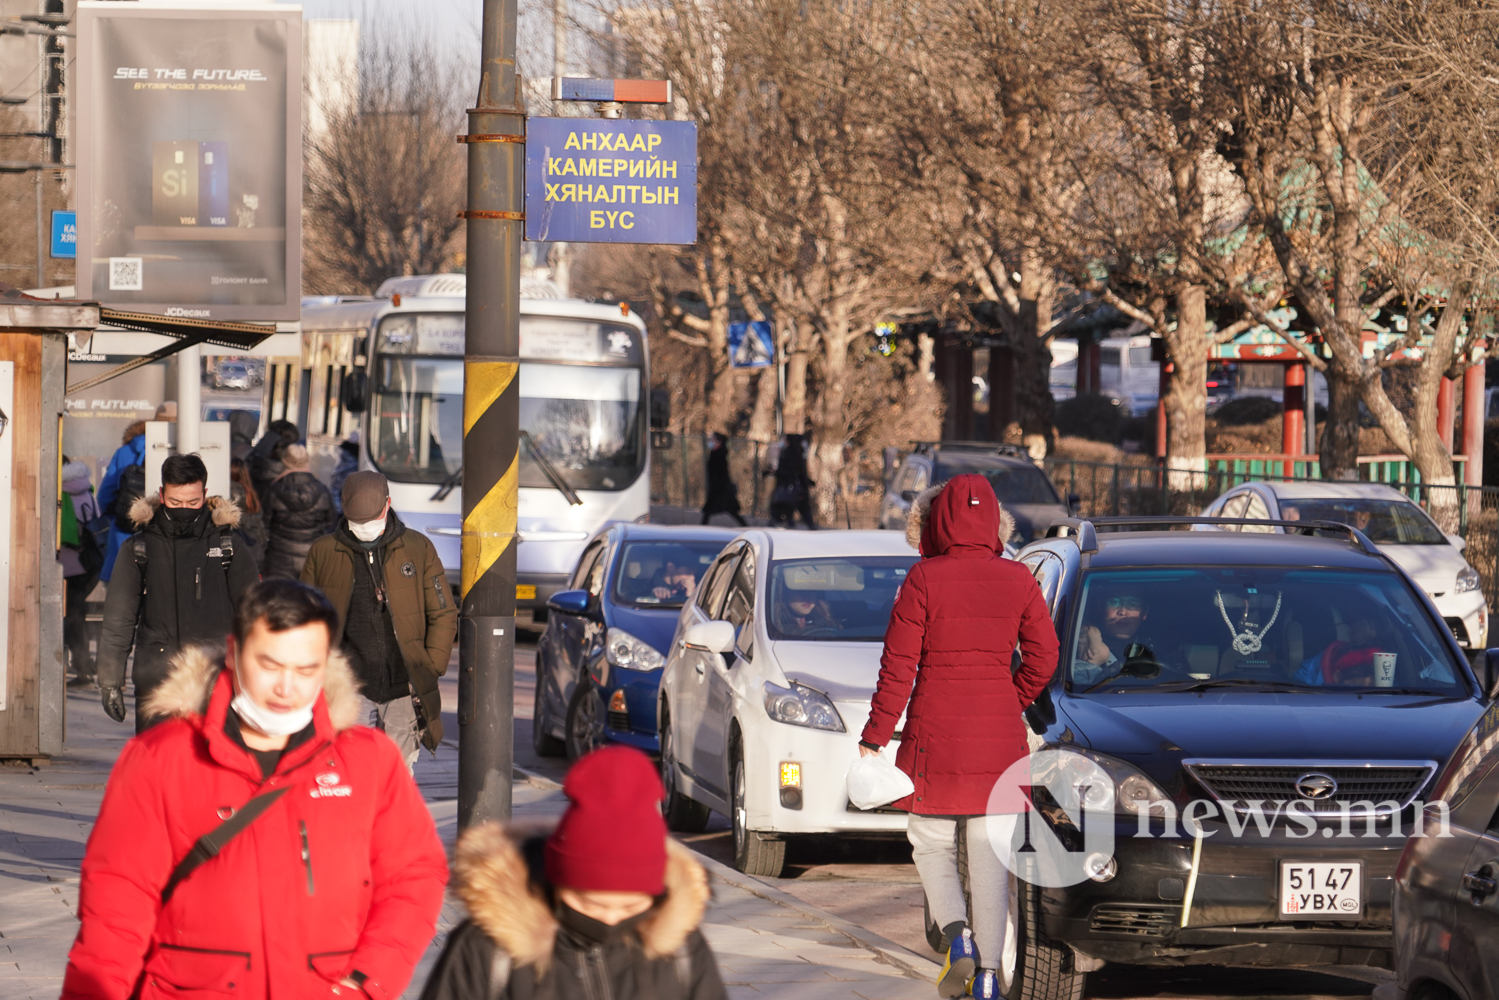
(1489, 678)
(355, 387)
(710, 637)
(1458, 542)
(1074, 501)
(569, 602)
(909, 496)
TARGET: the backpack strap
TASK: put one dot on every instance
(499, 973)
(226, 548)
(210, 844)
(684, 965)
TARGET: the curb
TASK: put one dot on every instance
(910, 964)
(532, 778)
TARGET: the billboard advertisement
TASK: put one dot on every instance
(189, 159)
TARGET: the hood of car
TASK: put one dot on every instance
(1157, 731)
(1032, 519)
(1433, 567)
(654, 627)
(844, 671)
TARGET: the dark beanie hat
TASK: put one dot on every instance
(612, 837)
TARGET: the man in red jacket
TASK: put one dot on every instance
(956, 623)
(331, 888)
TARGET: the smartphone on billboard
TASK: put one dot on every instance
(174, 187)
(213, 184)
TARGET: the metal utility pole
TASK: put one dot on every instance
(491, 418)
(560, 258)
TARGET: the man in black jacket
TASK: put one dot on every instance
(176, 583)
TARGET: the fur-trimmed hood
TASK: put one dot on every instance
(226, 513)
(492, 878)
(921, 509)
(189, 685)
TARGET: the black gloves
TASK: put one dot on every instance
(114, 703)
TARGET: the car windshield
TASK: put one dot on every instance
(662, 574)
(1286, 628)
(834, 599)
(1012, 483)
(1386, 522)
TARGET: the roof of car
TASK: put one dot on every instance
(786, 544)
(675, 533)
(1341, 491)
(1196, 548)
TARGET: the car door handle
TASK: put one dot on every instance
(697, 665)
(1478, 885)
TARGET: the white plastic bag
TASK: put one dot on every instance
(875, 781)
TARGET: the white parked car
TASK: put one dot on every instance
(768, 683)
(1398, 526)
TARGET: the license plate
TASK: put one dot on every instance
(1317, 890)
(524, 592)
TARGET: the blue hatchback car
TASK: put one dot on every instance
(598, 664)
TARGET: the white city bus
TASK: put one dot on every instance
(584, 378)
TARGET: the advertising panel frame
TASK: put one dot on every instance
(90, 14)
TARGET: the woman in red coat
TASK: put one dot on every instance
(333, 890)
(953, 632)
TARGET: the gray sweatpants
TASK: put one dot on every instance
(397, 718)
(934, 848)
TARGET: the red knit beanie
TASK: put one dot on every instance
(612, 837)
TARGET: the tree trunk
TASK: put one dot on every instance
(762, 426)
(794, 409)
(1338, 449)
(713, 282)
(829, 429)
(1186, 392)
(1428, 451)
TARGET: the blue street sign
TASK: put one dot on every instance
(751, 345)
(64, 234)
(602, 181)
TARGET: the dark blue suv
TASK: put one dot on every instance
(598, 664)
(1262, 715)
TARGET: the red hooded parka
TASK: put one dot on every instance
(953, 631)
(343, 874)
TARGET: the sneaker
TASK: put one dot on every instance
(986, 985)
(957, 970)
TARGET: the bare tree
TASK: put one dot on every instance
(384, 181)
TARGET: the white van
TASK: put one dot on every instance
(1126, 373)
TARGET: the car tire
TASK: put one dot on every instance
(584, 728)
(754, 853)
(683, 815)
(542, 741)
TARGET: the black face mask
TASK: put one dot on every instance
(182, 517)
(595, 931)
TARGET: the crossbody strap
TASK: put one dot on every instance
(211, 843)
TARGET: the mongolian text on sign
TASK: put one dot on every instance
(621, 181)
(64, 233)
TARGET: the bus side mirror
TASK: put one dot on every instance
(660, 409)
(355, 388)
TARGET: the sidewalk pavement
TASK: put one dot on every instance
(768, 944)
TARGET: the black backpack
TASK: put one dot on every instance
(91, 546)
(132, 488)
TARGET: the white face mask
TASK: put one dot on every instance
(368, 531)
(269, 723)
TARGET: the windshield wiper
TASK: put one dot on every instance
(449, 485)
(1224, 682)
(1379, 690)
(550, 471)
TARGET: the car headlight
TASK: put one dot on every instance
(627, 652)
(801, 706)
(1133, 790)
(1467, 579)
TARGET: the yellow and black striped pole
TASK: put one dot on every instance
(491, 418)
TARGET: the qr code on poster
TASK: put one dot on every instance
(126, 274)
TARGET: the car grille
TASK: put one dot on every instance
(1275, 781)
(1135, 920)
(619, 722)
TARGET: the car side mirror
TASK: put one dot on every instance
(1490, 677)
(1458, 542)
(710, 637)
(355, 388)
(1074, 501)
(570, 602)
(909, 496)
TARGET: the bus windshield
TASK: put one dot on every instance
(584, 418)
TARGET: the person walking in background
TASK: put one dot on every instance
(957, 620)
(298, 511)
(331, 873)
(607, 906)
(265, 458)
(723, 495)
(396, 614)
(793, 492)
(124, 482)
(81, 558)
(348, 461)
(251, 514)
(176, 582)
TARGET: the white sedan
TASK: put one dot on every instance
(1397, 526)
(768, 683)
